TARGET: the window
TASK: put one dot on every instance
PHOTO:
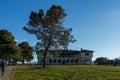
(71, 60)
(50, 60)
(76, 61)
(55, 60)
(67, 60)
(59, 60)
(86, 54)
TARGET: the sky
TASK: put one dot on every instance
(95, 23)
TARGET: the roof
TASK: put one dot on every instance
(84, 50)
(66, 51)
(87, 51)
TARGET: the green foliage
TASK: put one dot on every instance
(6, 37)
(8, 47)
(49, 30)
(102, 60)
(26, 51)
(70, 72)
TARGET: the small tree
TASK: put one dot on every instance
(8, 47)
(16, 56)
(26, 52)
(102, 60)
(49, 30)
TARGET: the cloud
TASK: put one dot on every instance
(19, 41)
(16, 40)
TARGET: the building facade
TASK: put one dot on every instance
(66, 57)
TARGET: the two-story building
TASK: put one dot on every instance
(66, 57)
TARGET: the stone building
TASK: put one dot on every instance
(66, 57)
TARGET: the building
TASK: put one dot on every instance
(66, 57)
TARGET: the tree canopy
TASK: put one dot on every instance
(8, 47)
(26, 51)
(102, 60)
(49, 30)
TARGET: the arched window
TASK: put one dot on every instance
(59, 60)
(50, 60)
(63, 61)
(76, 61)
(54, 60)
(67, 61)
(71, 60)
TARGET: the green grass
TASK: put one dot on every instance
(66, 72)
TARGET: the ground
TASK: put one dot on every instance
(7, 73)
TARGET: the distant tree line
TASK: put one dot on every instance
(106, 61)
(11, 52)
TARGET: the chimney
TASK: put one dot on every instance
(81, 49)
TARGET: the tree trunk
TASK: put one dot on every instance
(15, 62)
(9, 61)
(22, 62)
(44, 60)
(46, 51)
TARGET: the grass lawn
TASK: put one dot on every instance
(66, 72)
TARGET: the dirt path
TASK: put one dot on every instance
(7, 73)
